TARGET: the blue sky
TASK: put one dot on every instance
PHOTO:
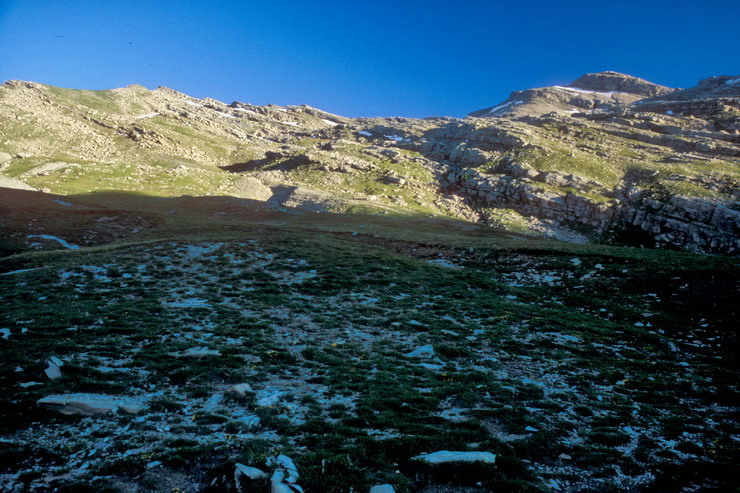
(363, 58)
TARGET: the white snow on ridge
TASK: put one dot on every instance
(584, 91)
(329, 122)
(292, 124)
(57, 239)
(244, 110)
(500, 107)
(732, 81)
(397, 138)
(193, 104)
(365, 133)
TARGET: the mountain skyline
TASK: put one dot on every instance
(409, 60)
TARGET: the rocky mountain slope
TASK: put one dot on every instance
(208, 297)
(599, 160)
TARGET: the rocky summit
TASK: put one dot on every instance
(202, 296)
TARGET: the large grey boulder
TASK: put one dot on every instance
(91, 404)
(249, 187)
(444, 456)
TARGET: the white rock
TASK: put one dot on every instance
(239, 390)
(287, 464)
(444, 456)
(246, 471)
(382, 488)
(25, 385)
(53, 371)
(90, 404)
(199, 352)
(277, 485)
(421, 352)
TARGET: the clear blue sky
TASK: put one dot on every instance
(362, 57)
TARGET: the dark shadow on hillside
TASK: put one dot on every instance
(104, 217)
(273, 161)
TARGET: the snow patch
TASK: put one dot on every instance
(365, 133)
(329, 122)
(147, 115)
(584, 91)
(497, 109)
(62, 202)
(732, 81)
(57, 239)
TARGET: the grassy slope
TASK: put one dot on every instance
(322, 308)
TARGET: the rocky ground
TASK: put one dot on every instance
(214, 348)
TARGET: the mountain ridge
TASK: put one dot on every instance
(606, 166)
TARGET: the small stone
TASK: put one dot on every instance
(53, 371)
(382, 488)
(240, 390)
(130, 408)
(199, 352)
(421, 352)
(154, 464)
(564, 457)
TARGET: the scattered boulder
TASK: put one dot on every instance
(249, 187)
(239, 390)
(284, 478)
(393, 180)
(245, 477)
(53, 371)
(444, 456)
(199, 352)
(421, 352)
(249, 472)
(90, 404)
(382, 488)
